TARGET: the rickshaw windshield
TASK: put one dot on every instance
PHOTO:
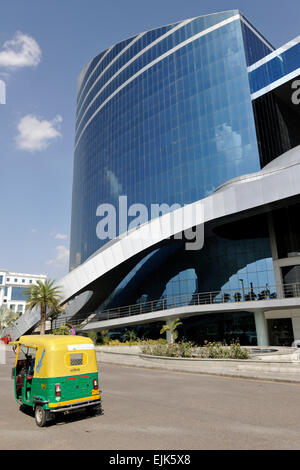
(23, 352)
(26, 359)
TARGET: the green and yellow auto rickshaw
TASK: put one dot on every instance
(55, 374)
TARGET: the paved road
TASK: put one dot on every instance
(153, 409)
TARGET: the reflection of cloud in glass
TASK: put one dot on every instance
(234, 58)
(114, 185)
(231, 144)
(228, 141)
(187, 275)
(78, 258)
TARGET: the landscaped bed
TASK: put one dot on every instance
(187, 349)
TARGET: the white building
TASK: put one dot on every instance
(12, 287)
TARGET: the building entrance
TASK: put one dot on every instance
(280, 331)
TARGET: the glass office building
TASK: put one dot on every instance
(166, 117)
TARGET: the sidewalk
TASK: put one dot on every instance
(284, 366)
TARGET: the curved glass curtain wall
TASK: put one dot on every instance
(173, 134)
(140, 52)
(227, 265)
(255, 47)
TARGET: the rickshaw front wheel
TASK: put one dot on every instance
(40, 415)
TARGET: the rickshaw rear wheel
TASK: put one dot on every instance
(40, 415)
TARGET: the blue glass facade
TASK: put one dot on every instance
(256, 45)
(17, 293)
(221, 265)
(274, 83)
(166, 117)
(281, 65)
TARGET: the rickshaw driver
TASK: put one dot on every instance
(27, 369)
(31, 369)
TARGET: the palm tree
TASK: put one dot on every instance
(45, 296)
(172, 327)
(130, 336)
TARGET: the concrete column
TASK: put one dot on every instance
(261, 329)
(170, 334)
(296, 327)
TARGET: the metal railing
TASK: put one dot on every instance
(200, 298)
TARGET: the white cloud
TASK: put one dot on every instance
(21, 51)
(62, 257)
(2, 92)
(35, 134)
(61, 236)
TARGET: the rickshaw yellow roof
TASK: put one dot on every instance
(53, 341)
(53, 352)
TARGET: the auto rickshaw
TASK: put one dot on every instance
(55, 374)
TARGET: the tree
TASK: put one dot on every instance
(7, 318)
(93, 336)
(172, 327)
(45, 296)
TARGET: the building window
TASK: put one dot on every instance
(1, 279)
(12, 307)
(7, 279)
(23, 280)
(30, 281)
(20, 308)
(17, 293)
(16, 280)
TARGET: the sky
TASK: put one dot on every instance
(43, 47)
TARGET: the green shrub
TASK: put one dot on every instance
(136, 342)
(62, 330)
(188, 349)
(236, 352)
(154, 341)
(117, 342)
(221, 351)
(169, 350)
